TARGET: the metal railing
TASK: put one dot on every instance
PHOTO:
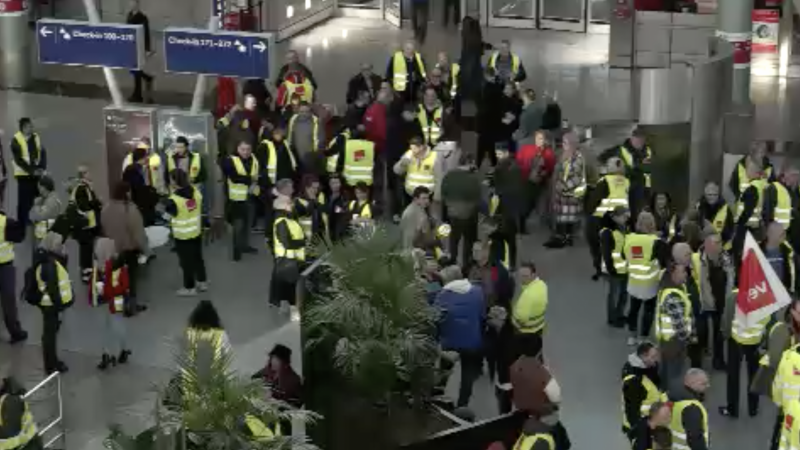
(57, 423)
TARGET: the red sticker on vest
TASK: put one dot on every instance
(638, 252)
(191, 204)
(788, 422)
(358, 155)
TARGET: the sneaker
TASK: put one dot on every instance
(18, 338)
(123, 356)
(183, 292)
(632, 340)
(294, 314)
(202, 286)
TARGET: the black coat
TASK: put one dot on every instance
(489, 109)
(358, 83)
(511, 105)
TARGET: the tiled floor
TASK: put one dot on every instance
(585, 355)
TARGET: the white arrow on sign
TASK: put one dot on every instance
(260, 47)
(45, 32)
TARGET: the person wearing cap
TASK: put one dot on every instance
(637, 157)
(613, 264)
(742, 176)
(537, 395)
(280, 377)
(289, 251)
(461, 325)
(610, 191)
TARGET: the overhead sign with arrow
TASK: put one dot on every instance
(75, 43)
(223, 53)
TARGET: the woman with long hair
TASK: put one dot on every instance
(109, 287)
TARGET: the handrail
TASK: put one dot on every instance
(59, 420)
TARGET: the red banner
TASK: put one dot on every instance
(13, 6)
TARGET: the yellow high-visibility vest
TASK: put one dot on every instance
(195, 162)
(514, 63)
(643, 267)
(755, 219)
(420, 172)
(238, 192)
(748, 335)
(359, 161)
(188, 223)
(6, 248)
(431, 126)
(783, 207)
(296, 234)
(332, 162)
(653, 395)
(64, 286)
(664, 328)
(528, 442)
(27, 431)
(272, 159)
(679, 440)
(91, 216)
(152, 176)
(620, 265)
(306, 221)
(790, 429)
(25, 153)
(618, 187)
(261, 431)
(400, 70)
(96, 296)
(315, 138)
(627, 158)
(455, 70)
(744, 180)
(528, 311)
(786, 384)
(363, 210)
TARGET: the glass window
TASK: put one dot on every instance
(366, 4)
(563, 9)
(514, 8)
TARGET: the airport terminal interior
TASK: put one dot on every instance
(585, 355)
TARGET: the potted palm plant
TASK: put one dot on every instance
(370, 353)
(205, 407)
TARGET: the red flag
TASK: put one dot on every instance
(761, 292)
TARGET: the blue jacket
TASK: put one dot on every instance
(463, 316)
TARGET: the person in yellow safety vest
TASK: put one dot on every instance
(335, 148)
(310, 208)
(279, 160)
(361, 209)
(406, 71)
(289, 251)
(613, 264)
(646, 256)
(539, 437)
(30, 163)
(11, 232)
(356, 162)
(191, 162)
(46, 208)
(87, 205)
(689, 425)
(306, 137)
(528, 312)
(716, 211)
(507, 65)
(668, 221)
(205, 342)
(640, 386)
(780, 255)
(17, 425)
(293, 69)
(450, 74)
(674, 323)
(501, 251)
(790, 427)
(418, 165)
(153, 176)
(52, 293)
(653, 432)
(749, 214)
(741, 176)
(185, 207)
(610, 191)
(637, 157)
(260, 431)
(241, 172)
(430, 117)
(781, 202)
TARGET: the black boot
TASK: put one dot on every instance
(106, 362)
(123, 356)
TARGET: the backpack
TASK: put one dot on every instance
(30, 289)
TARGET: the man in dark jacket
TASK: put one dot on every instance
(687, 404)
(488, 115)
(771, 208)
(13, 233)
(756, 156)
(30, 163)
(293, 64)
(640, 382)
(239, 208)
(142, 194)
(612, 241)
(366, 80)
(137, 17)
(637, 156)
(461, 196)
(461, 325)
(715, 210)
(780, 255)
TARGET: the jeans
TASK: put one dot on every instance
(673, 363)
(648, 315)
(617, 298)
(455, 6)
(737, 352)
(419, 20)
(471, 365)
(241, 219)
(51, 322)
(190, 256)
(8, 299)
(115, 340)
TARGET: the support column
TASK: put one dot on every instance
(15, 44)
(735, 25)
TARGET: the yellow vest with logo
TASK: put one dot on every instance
(514, 63)
(664, 328)
(420, 172)
(783, 206)
(238, 192)
(315, 130)
(627, 158)
(620, 265)
(786, 385)
(359, 160)
(676, 425)
(528, 442)
(90, 216)
(194, 166)
(618, 187)
(25, 153)
(790, 428)
(400, 71)
(188, 223)
(6, 248)
(528, 315)
(431, 126)
(643, 267)
(272, 159)
(653, 396)
(755, 219)
(27, 430)
(296, 233)
(64, 286)
(745, 335)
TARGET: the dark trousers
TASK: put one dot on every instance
(710, 322)
(27, 191)
(85, 240)
(138, 77)
(241, 215)
(471, 365)
(8, 299)
(593, 239)
(737, 352)
(190, 256)
(648, 314)
(464, 231)
(776, 431)
(533, 193)
(50, 325)
(419, 20)
(131, 258)
(281, 290)
(455, 6)
(486, 149)
(617, 298)
(528, 344)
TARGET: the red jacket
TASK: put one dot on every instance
(526, 155)
(375, 124)
(110, 290)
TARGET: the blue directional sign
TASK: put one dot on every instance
(232, 54)
(75, 43)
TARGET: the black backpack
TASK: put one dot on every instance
(30, 289)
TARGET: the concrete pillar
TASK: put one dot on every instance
(15, 44)
(735, 25)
